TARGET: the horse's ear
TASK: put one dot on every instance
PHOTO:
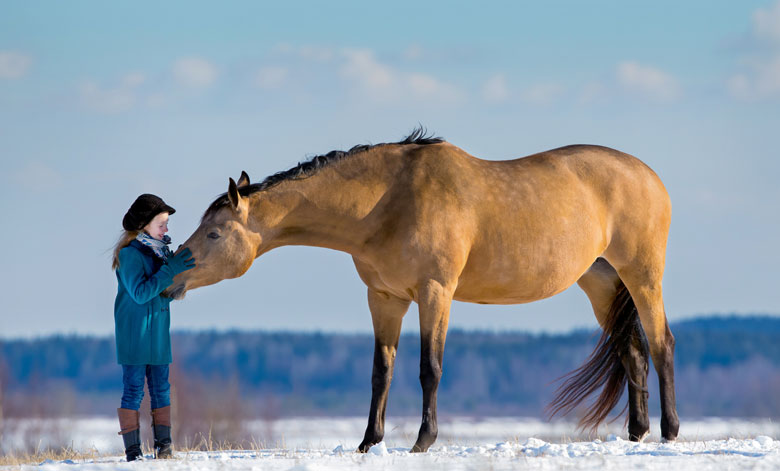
(243, 180)
(233, 195)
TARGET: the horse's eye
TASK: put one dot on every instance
(213, 235)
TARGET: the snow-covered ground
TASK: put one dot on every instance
(463, 444)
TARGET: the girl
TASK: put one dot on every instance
(144, 268)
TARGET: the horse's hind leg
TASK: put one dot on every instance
(643, 280)
(387, 313)
(603, 287)
(434, 302)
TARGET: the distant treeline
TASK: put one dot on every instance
(725, 366)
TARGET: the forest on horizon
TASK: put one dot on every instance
(725, 366)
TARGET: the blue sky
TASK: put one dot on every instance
(100, 102)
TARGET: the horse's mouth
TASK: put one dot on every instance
(177, 292)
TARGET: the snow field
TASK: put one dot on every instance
(309, 444)
(760, 453)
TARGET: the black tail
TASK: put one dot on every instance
(603, 368)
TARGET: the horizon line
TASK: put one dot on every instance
(411, 331)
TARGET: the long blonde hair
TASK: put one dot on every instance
(124, 241)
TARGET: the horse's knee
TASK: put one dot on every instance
(670, 341)
(381, 378)
(430, 375)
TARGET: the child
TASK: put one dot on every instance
(144, 268)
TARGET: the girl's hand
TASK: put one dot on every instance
(182, 262)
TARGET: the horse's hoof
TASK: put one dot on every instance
(639, 438)
(669, 437)
(364, 447)
(417, 448)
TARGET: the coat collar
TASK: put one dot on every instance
(144, 249)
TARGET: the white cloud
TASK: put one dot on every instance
(648, 81)
(760, 77)
(194, 72)
(13, 65)
(422, 84)
(363, 73)
(495, 90)
(104, 100)
(133, 80)
(362, 67)
(110, 100)
(271, 77)
(542, 94)
(413, 52)
(429, 87)
(762, 81)
(766, 22)
(382, 82)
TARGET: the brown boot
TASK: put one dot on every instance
(131, 434)
(161, 423)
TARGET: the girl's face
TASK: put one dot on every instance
(158, 226)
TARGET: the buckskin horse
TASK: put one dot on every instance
(425, 221)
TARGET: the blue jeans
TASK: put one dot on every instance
(156, 380)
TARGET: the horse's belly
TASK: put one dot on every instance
(521, 276)
(520, 292)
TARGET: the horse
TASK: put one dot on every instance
(424, 221)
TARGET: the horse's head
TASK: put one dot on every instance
(224, 245)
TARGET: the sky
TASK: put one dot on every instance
(103, 101)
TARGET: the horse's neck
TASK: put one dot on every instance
(331, 208)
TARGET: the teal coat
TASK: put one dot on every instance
(142, 318)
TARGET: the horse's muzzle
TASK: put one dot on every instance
(177, 292)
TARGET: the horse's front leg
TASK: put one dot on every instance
(387, 312)
(434, 301)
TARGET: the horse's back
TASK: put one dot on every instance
(593, 164)
(531, 226)
(562, 179)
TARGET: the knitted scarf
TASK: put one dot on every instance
(160, 247)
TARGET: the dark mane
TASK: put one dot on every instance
(306, 169)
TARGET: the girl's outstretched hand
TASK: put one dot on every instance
(181, 262)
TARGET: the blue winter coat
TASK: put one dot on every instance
(142, 318)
